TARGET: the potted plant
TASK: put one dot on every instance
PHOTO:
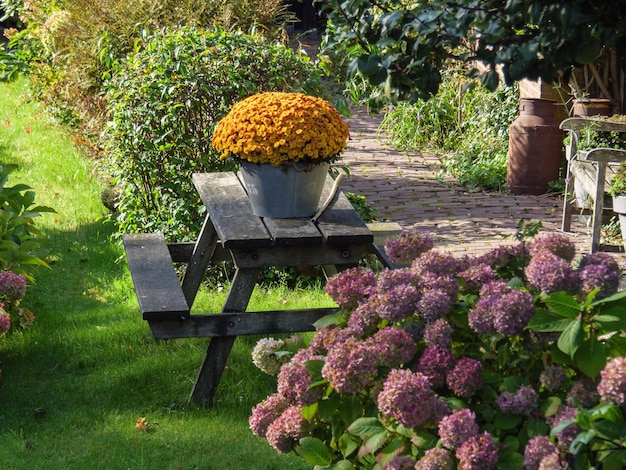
(284, 144)
(617, 190)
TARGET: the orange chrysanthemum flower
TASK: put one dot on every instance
(278, 127)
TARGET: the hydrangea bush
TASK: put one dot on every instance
(514, 359)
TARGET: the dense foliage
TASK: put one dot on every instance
(21, 248)
(164, 103)
(507, 360)
(71, 46)
(405, 44)
(464, 123)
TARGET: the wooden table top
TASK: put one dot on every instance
(237, 227)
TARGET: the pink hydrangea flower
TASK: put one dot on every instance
(266, 412)
(287, 429)
(466, 377)
(457, 427)
(435, 459)
(477, 453)
(406, 397)
(350, 366)
(612, 386)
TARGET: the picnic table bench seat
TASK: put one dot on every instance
(592, 169)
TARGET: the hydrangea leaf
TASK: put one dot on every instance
(546, 321)
(351, 409)
(507, 421)
(343, 465)
(314, 452)
(364, 427)
(348, 444)
(563, 304)
(571, 339)
(611, 319)
(591, 357)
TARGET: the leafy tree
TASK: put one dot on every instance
(401, 46)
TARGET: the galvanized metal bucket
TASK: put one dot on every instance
(284, 192)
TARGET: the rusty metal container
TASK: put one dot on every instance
(535, 147)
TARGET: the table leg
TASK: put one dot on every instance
(219, 347)
(199, 262)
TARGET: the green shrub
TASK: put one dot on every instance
(80, 40)
(164, 103)
(470, 130)
(20, 240)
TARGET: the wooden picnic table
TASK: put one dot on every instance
(231, 231)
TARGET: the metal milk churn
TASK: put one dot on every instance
(535, 147)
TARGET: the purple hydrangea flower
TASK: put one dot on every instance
(350, 286)
(393, 277)
(481, 317)
(364, 318)
(406, 397)
(286, 430)
(583, 392)
(552, 461)
(477, 453)
(599, 258)
(438, 333)
(593, 276)
(477, 275)
(515, 309)
(522, 402)
(435, 363)
(567, 435)
(266, 412)
(457, 427)
(501, 309)
(441, 263)
(550, 273)
(293, 382)
(399, 302)
(432, 281)
(553, 377)
(434, 304)
(326, 338)
(501, 257)
(408, 246)
(392, 346)
(536, 449)
(435, 459)
(466, 377)
(350, 366)
(12, 288)
(612, 386)
(554, 243)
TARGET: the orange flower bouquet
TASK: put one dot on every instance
(280, 127)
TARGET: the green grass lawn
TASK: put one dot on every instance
(75, 383)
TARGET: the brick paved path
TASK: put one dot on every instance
(404, 188)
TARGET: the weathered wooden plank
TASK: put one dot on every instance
(235, 324)
(298, 255)
(341, 223)
(230, 211)
(293, 232)
(156, 283)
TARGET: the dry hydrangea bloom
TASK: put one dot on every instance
(279, 127)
